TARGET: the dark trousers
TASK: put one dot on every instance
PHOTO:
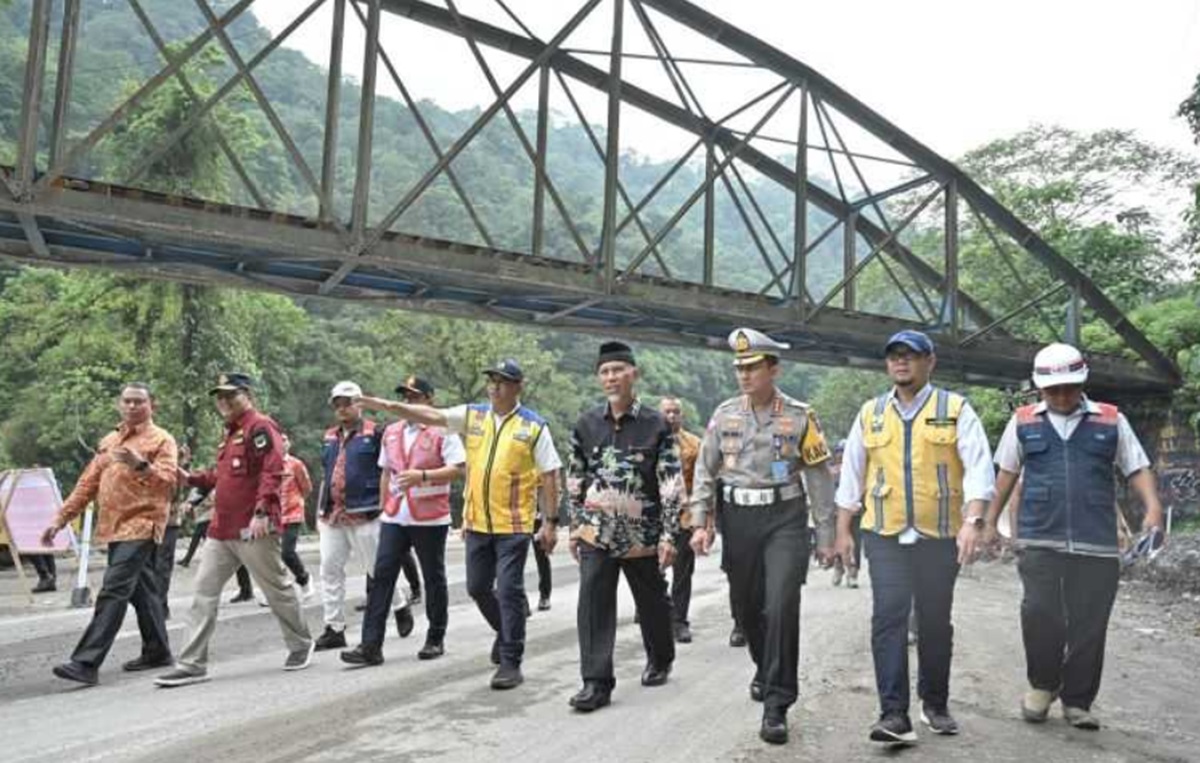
(545, 574)
(1064, 621)
(44, 565)
(596, 616)
(243, 581)
(720, 527)
(164, 562)
(681, 577)
(920, 575)
(199, 532)
(767, 547)
(408, 565)
(396, 543)
(496, 581)
(291, 533)
(130, 578)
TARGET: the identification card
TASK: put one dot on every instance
(779, 471)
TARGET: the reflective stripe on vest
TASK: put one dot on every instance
(425, 502)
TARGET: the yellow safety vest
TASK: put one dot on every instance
(914, 474)
(502, 474)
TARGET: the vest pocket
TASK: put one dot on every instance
(876, 439)
(947, 435)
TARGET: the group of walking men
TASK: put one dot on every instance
(916, 479)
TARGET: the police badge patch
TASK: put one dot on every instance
(262, 441)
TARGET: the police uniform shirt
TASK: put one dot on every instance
(544, 454)
(979, 480)
(1130, 457)
(741, 446)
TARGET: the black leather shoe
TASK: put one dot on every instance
(242, 596)
(404, 621)
(45, 585)
(331, 639)
(496, 651)
(73, 671)
(655, 676)
(362, 655)
(147, 662)
(683, 633)
(431, 651)
(507, 677)
(774, 726)
(736, 637)
(756, 691)
(591, 697)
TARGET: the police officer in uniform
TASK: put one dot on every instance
(763, 461)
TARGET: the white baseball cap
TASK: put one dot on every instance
(1058, 364)
(345, 389)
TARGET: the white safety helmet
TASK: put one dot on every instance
(1057, 364)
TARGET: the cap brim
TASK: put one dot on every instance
(223, 388)
(1061, 380)
(750, 360)
(411, 390)
(909, 345)
(502, 375)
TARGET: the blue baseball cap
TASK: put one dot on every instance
(916, 341)
(506, 369)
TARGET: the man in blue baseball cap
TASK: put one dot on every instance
(914, 457)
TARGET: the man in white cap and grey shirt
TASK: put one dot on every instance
(1064, 449)
(348, 508)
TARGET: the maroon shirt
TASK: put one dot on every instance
(248, 475)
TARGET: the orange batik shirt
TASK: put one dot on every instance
(133, 504)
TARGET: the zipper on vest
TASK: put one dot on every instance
(487, 476)
(909, 511)
(1066, 450)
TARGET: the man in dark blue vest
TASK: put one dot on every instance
(349, 510)
(1064, 450)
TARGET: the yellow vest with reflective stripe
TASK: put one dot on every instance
(502, 474)
(914, 474)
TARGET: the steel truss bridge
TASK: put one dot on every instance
(833, 271)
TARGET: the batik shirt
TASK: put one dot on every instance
(624, 481)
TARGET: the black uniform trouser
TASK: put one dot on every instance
(408, 565)
(199, 532)
(596, 615)
(920, 575)
(131, 578)
(545, 575)
(44, 565)
(164, 562)
(720, 527)
(291, 534)
(767, 547)
(1064, 621)
(681, 577)
(396, 543)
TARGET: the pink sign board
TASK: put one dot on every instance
(29, 499)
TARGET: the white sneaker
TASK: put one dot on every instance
(1035, 705)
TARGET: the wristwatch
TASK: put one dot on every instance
(551, 520)
(976, 522)
(260, 513)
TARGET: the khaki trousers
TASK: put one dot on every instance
(218, 563)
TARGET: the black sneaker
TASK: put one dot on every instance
(736, 637)
(683, 633)
(757, 691)
(938, 719)
(496, 651)
(774, 728)
(242, 596)
(404, 621)
(507, 677)
(148, 662)
(331, 639)
(893, 728)
(544, 604)
(45, 585)
(302, 658)
(363, 655)
(432, 650)
(80, 674)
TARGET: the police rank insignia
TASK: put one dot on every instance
(741, 342)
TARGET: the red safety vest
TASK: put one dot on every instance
(425, 502)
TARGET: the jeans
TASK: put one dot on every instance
(130, 578)
(597, 613)
(496, 581)
(1064, 621)
(920, 575)
(396, 543)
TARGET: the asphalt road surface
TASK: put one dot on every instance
(443, 710)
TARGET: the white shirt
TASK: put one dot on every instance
(453, 453)
(1130, 458)
(544, 454)
(979, 479)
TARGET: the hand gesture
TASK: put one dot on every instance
(127, 456)
(548, 537)
(48, 535)
(702, 541)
